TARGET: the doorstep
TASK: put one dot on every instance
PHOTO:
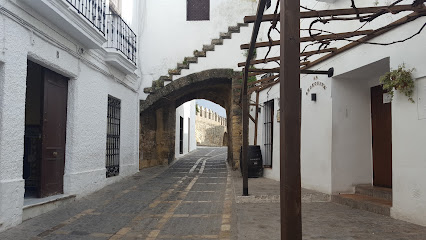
(37, 206)
(368, 198)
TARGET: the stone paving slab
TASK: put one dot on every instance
(173, 202)
(321, 219)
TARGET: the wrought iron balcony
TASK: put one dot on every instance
(121, 37)
(92, 10)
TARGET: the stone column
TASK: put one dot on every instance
(157, 136)
(234, 122)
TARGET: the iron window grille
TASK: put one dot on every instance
(269, 132)
(113, 137)
(197, 10)
(92, 10)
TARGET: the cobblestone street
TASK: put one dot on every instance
(199, 198)
(189, 200)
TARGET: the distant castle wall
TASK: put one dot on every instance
(210, 128)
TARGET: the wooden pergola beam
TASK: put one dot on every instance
(263, 80)
(339, 12)
(310, 53)
(263, 61)
(263, 86)
(333, 36)
(378, 32)
(304, 54)
(266, 70)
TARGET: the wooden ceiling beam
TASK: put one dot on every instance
(333, 36)
(340, 12)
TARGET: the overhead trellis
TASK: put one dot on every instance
(321, 39)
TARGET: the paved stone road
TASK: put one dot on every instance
(198, 198)
(190, 200)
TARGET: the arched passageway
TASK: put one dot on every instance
(158, 113)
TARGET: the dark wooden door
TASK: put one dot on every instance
(181, 136)
(381, 120)
(54, 132)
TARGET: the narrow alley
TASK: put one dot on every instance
(198, 197)
(191, 199)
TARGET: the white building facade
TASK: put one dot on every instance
(342, 116)
(185, 129)
(68, 102)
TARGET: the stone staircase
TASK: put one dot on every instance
(185, 64)
(369, 198)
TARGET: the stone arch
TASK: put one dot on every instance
(158, 113)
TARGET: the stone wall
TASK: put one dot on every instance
(210, 128)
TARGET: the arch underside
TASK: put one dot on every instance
(158, 112)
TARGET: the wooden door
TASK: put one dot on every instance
(181, 136)
(54, 132)
(381, 120)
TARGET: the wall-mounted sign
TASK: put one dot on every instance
(387, 98)
(315, 84)
(278, 115)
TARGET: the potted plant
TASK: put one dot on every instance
(399, 79)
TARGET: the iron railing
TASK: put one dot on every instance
(121, 37)
(92, 10)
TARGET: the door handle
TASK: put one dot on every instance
(55, 154)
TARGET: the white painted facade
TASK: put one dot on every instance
(26, 33)
(167, 37)
(336, 147)
(185, 111)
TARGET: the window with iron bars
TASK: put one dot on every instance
(112, 163)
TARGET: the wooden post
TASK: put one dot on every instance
(244, 159)
(260, 9)
(290, 97)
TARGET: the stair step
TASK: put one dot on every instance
(183, 66)
(191, 59)
(165, 78)
(200, 53)
(217, 41)
(226, 35)
(158, 83)
(363, 202)
(208, 47)
(242, 24)
(234, 29)
(372, 191)
(174, 72)
(148, 90)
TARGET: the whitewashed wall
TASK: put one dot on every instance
(265, 96)
(187, 112)
(408, 128)
(336, 147)
(316, 133)
(91, 80)
(167, 37)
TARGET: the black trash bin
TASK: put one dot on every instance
(255, 163)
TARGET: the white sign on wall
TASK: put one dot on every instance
(387, 98)
(421, 101)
